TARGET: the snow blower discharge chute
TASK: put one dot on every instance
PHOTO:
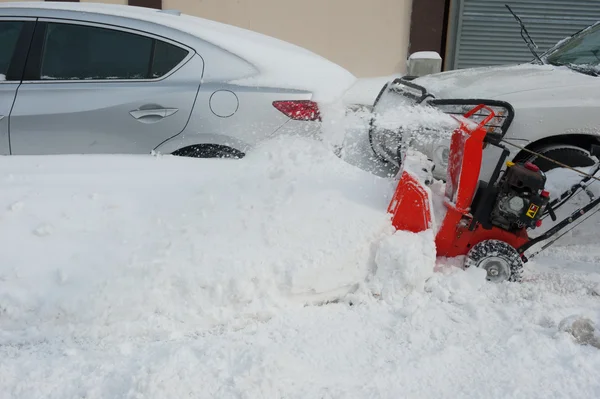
(486, 222)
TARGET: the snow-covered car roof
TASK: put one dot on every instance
(281, 64)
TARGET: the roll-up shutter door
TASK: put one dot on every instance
(487, 34)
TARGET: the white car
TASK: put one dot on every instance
(550, 105)
(84, 78)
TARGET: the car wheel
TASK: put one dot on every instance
(566, 154)
(209, 151)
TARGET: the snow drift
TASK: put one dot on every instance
(113, 246)
(154, 277)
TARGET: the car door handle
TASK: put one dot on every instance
(155, 113)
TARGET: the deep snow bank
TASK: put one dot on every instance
(128, 277)
(122, 246)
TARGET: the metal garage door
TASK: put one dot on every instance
(483, 32)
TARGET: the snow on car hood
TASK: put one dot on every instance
(491, 82)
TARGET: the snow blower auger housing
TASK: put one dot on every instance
(485, 221)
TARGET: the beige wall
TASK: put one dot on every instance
(367, 37)
(103, 1)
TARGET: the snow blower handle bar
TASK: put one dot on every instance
(490, 137)
(478, 108)
(578, 213)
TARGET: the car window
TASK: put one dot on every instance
(166, 57)
(9, 35)
(583, 50)
(80, 52)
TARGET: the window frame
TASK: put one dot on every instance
(32, 68)
(19, 57)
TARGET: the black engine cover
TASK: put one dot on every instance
(520, 199)
(524, 179)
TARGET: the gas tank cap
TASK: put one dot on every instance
(224, 103)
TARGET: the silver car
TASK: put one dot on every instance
(81, 78)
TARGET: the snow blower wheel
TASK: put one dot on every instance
(501, 261)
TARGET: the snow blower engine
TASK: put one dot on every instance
(520, 196)
(486, 222)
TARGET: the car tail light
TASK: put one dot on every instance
(301, 110)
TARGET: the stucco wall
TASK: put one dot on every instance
(104, 1)
(368, 37)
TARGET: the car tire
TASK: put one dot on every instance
(566, 154)
(209, 151)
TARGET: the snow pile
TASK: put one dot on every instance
(164, 277)
(404, 262)
(119, 247)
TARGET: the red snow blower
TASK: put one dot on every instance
(487, 222)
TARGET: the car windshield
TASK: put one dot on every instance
(581, 53)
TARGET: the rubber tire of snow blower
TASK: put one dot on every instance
(489, 249)
(569, 155)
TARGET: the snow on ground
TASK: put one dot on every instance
(156, 277)
(180, 240)
(166, 277)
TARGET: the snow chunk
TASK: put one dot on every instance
(582, 329)
(404, 262)
(453, 284)
(43, 230)
(17, 206)
(437, 191)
